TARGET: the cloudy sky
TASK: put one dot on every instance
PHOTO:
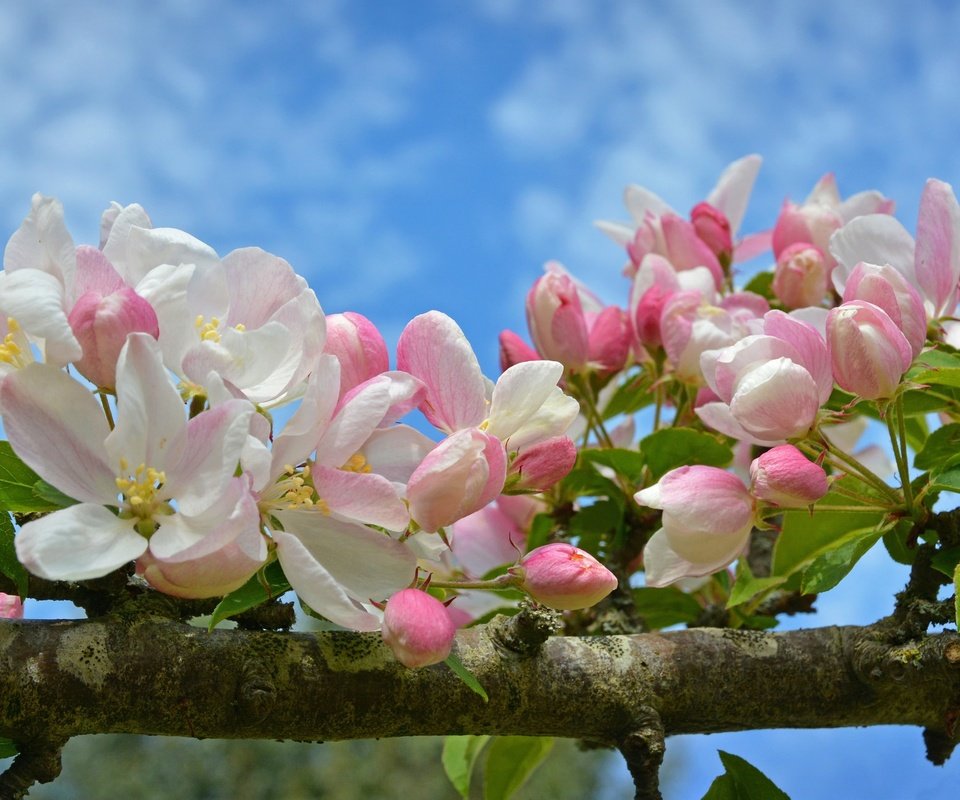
(413, 155)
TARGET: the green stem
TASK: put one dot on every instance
(846, 463)
(105, 402)
(505, 581)
(898, 438)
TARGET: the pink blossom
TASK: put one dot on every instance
(868, 351)
(418, 628)
(541, 465)
(713, 228)
(359, 347)
(513, 350)
(11, 606)
(800, 276)
(564, 577)
(556, 320)
(770, 385)
(886, 288)
(785, 477)
(689, 326)
(707, 517)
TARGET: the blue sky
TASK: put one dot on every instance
(414, 155)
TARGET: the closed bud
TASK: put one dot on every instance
(713, 227)
(800, 277)
(564, 577)
(541, 465)
(101, 324)
(359, 348)
(417, 628)
(785, 477)
(556, 320)
(11, 607)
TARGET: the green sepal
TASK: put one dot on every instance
(267, 583)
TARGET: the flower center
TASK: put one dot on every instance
(357, 463)
(140, 490)
(210, 331)
(14, 350)
(296, 490)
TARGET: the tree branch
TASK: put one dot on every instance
(161, 677)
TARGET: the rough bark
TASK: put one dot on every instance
(161, 677)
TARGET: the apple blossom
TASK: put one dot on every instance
(707, 517)
(564, 577)
(869, 353)
(172, 480)
(418, 628)
(800, 276)
(785, 477)
(886, 288)
(359, 347)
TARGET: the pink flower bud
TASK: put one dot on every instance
(609, 340)
(513, 350)
(358, 346)
(868, 352)
(11, 607)
(101, 324)
(800, 277)
(785, 477)
(556, 321)
(707, 518)
(418, 628)
(814, 223)
(541, 465)
(713, 227)
(459, 476)
(886, 287)
(564, 577)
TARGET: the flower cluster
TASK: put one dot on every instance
(138, 379)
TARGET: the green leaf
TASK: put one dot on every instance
(946, 561)
(587, 481)
(747, 586)
(805, 536)
(268, 583)
(540, 530)
(761, 284)
(19, 485)
(665, 606)
(669, 448)
(948, 481)
(456, 665)
(628, 463)
(742, 781)
(9, 563)
(459, 757)
(510, 761)
(936, 368)
(596, 519)
(632, 395)
(52, 496)
(8, 748)
(941, 446)
(828, 569)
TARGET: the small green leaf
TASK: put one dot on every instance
(52, 496)
(829, 568)
(941, 446)
(510, 761)
(665, 606)
(268, 583)
(936, 368)
(669, 448)
(587, 481)
(9, 563)
(628, 463)
(459, 757)
(747, 586)
(742, 781)
(761, 284)
(19, 485)
(8, 748)
(948, 481)
(632, 395)
(596, 518)
(456, 665)
(946, 561)
(540, 530)
(895, 540)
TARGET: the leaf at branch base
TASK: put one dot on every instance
(747, 586)
(670, 448)
(456, 665)
(941, 446)
(268, 583)
(9, 563)
(742, 781)
(510, 761)
(459, 757)
(828, 569)
(8, 748)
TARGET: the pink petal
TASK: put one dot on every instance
(938, 246)
(365, 497)
(433, 348)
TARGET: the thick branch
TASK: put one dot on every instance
(159, 677)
